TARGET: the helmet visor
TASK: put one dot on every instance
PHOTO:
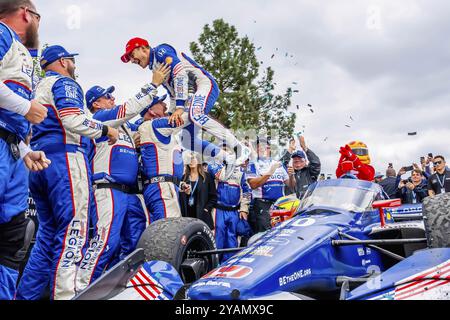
(361, 151)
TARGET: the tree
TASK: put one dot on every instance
(247, 101)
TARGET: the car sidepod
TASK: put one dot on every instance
(423, 276)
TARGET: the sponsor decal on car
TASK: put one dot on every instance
(230, 272)
(279, 241)
(263, 251)
(306, 222)
(285, 280)
(211, 283)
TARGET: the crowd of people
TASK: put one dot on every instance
(429, 178)
(100, 172)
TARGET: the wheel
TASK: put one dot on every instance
(436, 216)
(174, 240)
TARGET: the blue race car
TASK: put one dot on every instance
(343, 237)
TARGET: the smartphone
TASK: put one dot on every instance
(409, 168)
(422, 159)
(390, 165)
(430, 155)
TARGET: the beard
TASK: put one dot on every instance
(32, 37)
(71, 71)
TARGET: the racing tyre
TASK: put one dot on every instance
(174, 240)
(436, 216)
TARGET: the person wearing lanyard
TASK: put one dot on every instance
(439, 182)
(414, 190)
(200, 196)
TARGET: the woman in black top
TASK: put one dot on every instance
(200, 198)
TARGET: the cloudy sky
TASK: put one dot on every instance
(386, 64)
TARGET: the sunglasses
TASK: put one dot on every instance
(108, 96)
(37, 15)
(437, 163)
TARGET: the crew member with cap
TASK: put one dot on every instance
(19, 24)
(267, 178)
(233, 200)
(355, 161)
(186, 73)
(115, 176)
(62, 193)
(305, 173)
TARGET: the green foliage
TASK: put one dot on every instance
(247, 101)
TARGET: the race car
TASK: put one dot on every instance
(344, 242)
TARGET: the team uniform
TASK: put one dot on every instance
(233, 196)
(186, 74)
(115, 173)
(62, 192)
(267, 194)
(16, 68)
(162, 168)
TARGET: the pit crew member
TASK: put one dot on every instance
(185, 71)
(267, 178)
(19, 24)
(63, 192)
(233, 199)
(115, 173)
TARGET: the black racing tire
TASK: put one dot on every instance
(172, 239)
(436, 217)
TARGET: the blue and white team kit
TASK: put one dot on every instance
(16, 68)
(187, 75)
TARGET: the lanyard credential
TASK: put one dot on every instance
(442, 183)
(191, 197)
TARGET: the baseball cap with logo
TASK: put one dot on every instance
(131, 45)
(53, 53)
(95, 93)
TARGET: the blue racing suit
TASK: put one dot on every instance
(161, 168)
(16, 69)
(187, 75)
(233, 197)
(62, 192)
(115, 175)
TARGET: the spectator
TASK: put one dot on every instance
(390, 183)
(378, 177)
(267, 178)
(439, 182)
(198, 200)
(305, 174)
(413, 190)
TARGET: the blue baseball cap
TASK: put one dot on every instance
(53, 53)
(95, 93)
(155, 101)
(299, 153)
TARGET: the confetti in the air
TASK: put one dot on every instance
(259, 48)
(272, 56)
(347, 126)
(412, 133)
